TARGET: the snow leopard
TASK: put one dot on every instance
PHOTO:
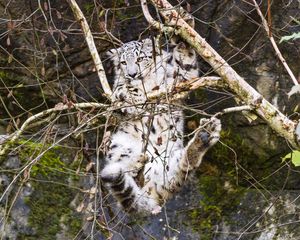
(147, 161)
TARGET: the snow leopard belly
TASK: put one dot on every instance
(157, 141)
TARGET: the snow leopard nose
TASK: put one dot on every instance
(132, 75)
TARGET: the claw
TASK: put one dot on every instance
(156, 210)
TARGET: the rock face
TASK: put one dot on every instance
(242, 190)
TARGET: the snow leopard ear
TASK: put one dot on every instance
(147, 44)
(182, 46)
(150, 44)
(185, 49)
(113, 55)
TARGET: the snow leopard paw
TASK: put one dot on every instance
(147, 206)
(134, 106)
(112, 174)
(210, 133)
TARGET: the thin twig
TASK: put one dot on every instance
(236, 109)
(272, 40)
(92, 47)
(269, 18)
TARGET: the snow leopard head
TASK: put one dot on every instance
(134, 59)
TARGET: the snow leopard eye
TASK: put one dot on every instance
(123, 62)
(139, 59)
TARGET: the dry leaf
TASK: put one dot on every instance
(70, 104)
(93, 190)
(11, 24)
(18, 121)
(10, 58)
(86, 146)
(102, 26)
(42, 42)
(159, 141)
(43, 71)
(54, 52)
(105, 142)
(155, 88)
(80, 207)
(65, 99)
(10, 93)
(58, 14)
(26, 174)
(9, 128)
(188, 7)
(250, 116)
(8, 43)
(90, 218)
(192, 125)
(90, 191)
(45, 6)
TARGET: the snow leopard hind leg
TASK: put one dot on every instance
(119, 178)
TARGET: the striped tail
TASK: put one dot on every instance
(124, 188)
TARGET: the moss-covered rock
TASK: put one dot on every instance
(49, 202)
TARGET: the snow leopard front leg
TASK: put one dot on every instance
(207, 135)
(181, 162)
(130, 98)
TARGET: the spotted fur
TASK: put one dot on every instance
(147, 161)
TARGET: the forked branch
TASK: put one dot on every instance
(228, 79)
(285, 127)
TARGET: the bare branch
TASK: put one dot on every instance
(182, 89)
(153, 23)
(272, 40)
(58, 108)
(276, 120)
(179, 91)
(92, 47)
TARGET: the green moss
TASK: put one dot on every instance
(50, 201)
(88, 7)
(217, 184)
(49, 160)
(217, 201)
(73, 222)
(3, 75)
